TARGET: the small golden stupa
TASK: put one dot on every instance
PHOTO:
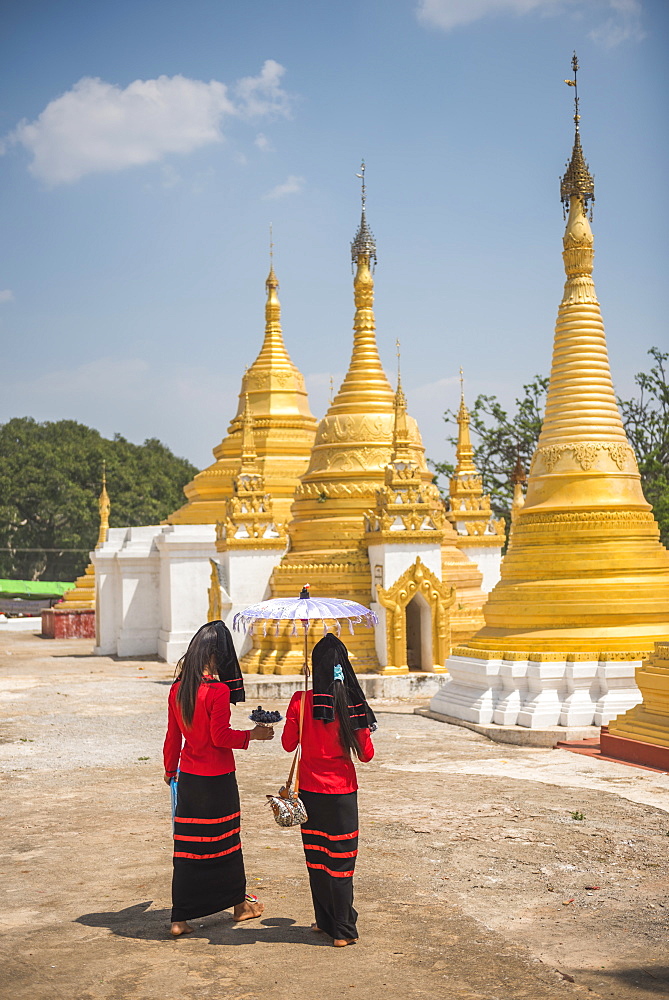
(469, 508)
(347, 468)
(284, 429)
(82, 596)
(585, 572)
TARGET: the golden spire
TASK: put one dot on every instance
(284, 428)
(401, 439)
(104, 507)
(464, 451)
(249, 458)
(518, 479)
(585, 571)
(365, 387)
(577, 181)
(582, 433)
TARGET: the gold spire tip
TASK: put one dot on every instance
(577, 180)
(364, 244)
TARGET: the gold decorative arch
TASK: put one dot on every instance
(417, 579)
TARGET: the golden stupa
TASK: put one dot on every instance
(585, 571)
(82, 596)
(353, 447)
(469, 508)
(284, 430)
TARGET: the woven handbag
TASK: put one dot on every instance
(287, 806)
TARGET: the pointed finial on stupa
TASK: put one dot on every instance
(577, 180)
(272, 282)
(464, 451)
(401, 440)
(364, 244)
(399, 366)
(104, 507)
(331, 389)
(249, 457)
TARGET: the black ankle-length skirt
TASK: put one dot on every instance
(208, 871)
(330, 841)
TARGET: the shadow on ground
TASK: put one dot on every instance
(143, 924)
(647, 980)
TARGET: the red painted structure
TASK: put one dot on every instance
(57, 624)
(634, 751)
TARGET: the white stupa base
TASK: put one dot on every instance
(537, 693)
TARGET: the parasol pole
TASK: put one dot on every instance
(304, 596)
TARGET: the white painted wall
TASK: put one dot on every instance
(248, 573)
(139, 566)
(185, 574)
(395, 559)
(488, 559)
(108, 592)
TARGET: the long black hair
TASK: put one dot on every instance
(347, 738)
(211, 650)
(323, 681)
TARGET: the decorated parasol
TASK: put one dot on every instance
(310, 612)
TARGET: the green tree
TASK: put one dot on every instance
(500, 438)
(646, 420)
(50, 480)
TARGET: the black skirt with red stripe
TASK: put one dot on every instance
(330, 841)
(208, 871)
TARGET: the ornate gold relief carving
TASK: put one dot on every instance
(417, 579)
(585, 454)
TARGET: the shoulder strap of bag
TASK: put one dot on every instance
(294, 768)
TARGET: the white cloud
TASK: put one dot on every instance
(263, 143)
(97, 126)
(623, 22)
(6, 295)
(262, 94)
(291, 185)
(623, 25)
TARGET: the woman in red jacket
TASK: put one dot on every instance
(336, 721)
(208, 873)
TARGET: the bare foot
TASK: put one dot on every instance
(342, 942)
(247, 911)
(316, 929)
(179, 928)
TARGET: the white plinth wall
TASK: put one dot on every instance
(247, 574)
(538, 690)
(388, 561)
(152, 587)
(184, 552)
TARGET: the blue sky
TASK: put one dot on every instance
(148, 145)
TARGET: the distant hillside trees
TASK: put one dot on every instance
(499, 438)
(50, 481)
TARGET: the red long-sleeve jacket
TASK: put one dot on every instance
(324, 766)
(208, 744)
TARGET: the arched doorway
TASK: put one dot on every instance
(417, 619)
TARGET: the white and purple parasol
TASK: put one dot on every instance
(307, 611)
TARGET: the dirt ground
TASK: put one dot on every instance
(475, 879)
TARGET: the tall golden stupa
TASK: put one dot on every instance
(284, 430)
(585, 573)
(347, 468)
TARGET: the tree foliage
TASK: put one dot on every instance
(50, 481)
(500, 438)
(646, 420)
